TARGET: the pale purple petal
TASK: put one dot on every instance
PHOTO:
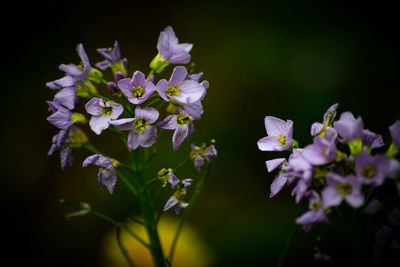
(133, 140)
(277, 185)
(395, 133)
(180, 134)
(331, 197)
(274, 163)
(269, 143)
(148, 114)
(349, 127)
(169, 123)
(108, 179)
(61, 119)
(355, 199)
(100, 161)
(172, 201)
(178, 75)
(126, 87)
(371, 139)
(117, 110)
(191, 92)
(123, 124)
(149, 136)
(316, 128)
(93, 106)
(275, 126)
(99, 123)
(138, 79)
(66, 158)
(67, 97)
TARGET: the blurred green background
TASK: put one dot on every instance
(287, 59)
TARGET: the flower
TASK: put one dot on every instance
(321, 152)
(315, 214)
(67, 85)
(112, 58)
(371, 139)
(141, 133)
(106, 175)
(176, 199)
(325, 129)
(103, 112)
(281, 179)
(181, 123)
(200, 154)
(169, 49)
(279, 135)
(339, 188)
(349, 127)
(371, 170)
(167, 176)
(137, 89)
(395, 133)
(62, 117)
(180, 89)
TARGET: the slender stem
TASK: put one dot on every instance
(106, 218)
(153, 102)
(120, 134)
(136, 220)
(181, 165)
(151, 73)
(290, 237)
(196, 193)
(91, 148)
(121, 247)
(126, 182)
(152, 181)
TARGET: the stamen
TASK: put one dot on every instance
(173, 90)
(344, 188)
(140, 125)
(281, 139)
(137, 91)
(369, 171)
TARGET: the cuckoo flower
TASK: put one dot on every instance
(321, 152)
(281, 179)
(279, 135)
(170, 50)
(106, 175)
(349, 127)
(176, 200)
(59, 142)
(62, 117)
(395, 133)
(200, 154)
(137, 89)
(68, 84)
(325, 129)
(181, 123)
(112, 58)
(180, 89)
(103, 112)
(339, 188)
(195, 109)
(371, 170)
(167, 176)
(315, 214)
(141, 132)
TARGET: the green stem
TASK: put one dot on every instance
(152, 181)
(106, 218)
(153, 102)
(181, 165)
(126, 182)
(121, 247)
(151, 73)
(196, 193)
(290, 237)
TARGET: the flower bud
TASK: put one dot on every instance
(158, 63)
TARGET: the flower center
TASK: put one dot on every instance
(106, 110)
(137, 91)
(369, 171)
(315, 205)
(344, 188)
(140, 125)
(173, 90)
(281, 139)
(196, 153)
(182, 119)
(163, 175)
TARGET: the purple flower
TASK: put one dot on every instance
(325, 129)
(61, 118)
(176, 200)
(180, 89)
(112, 57)
(371, 140)
(168, 176)
(279, 135)
(200, 154)
(68, 84)
(106, 175)
(371, 170)
(170, 50)
(137, 89)
(59, 143)
(141, 132)
(349, 127)
(395, 133)
(321, 152)
(315, 214)
(181, 123)
(103, 112)
(339, 188)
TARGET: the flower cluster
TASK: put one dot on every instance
(138, 109)
(341, 165)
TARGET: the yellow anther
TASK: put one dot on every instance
(281, 139)
(344, 188)
(137, 91)
(173, 90)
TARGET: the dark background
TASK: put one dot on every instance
(287, 59)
